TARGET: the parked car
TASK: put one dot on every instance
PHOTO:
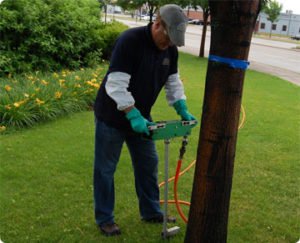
(195, 21)
(147, 17)
(295, 37)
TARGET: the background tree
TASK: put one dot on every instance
(131, 5)
(272, 9)
(206, 12)
(138, 4)
(195, 4)
(103, 4)
(152, 5)
(181, 3)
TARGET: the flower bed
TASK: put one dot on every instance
(30, 99)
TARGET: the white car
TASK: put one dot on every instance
(145, 17)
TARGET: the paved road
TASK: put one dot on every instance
(273, 57)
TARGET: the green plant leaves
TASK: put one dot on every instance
(51, 35)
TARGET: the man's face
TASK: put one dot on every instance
(160, 35)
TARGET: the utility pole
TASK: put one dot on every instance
(232, 24)
(290, 12)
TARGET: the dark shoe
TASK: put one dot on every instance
(160, 219)
(110, 229)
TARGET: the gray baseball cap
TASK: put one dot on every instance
(176, 22)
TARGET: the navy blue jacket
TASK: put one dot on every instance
(135, 53)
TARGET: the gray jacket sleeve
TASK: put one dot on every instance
(174, 89)
(116, 88)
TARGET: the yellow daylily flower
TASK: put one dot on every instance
(30, 77)
(2, 128)
(58, 94)
(7, 88)
(61, 82)
(19, 103)
(39, 102)
(96, 85)
(77, 77)
(44, 82)
(7, 107)
(55, 75)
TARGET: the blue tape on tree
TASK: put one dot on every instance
(234, 63)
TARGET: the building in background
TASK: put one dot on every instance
(287, 24)
(195, 15)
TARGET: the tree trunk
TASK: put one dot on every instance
(202, 45)
(151, 12)
(232, 24)
(105, 9)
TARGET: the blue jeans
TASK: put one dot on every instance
(108, 146)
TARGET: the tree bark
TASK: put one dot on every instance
(232, 24)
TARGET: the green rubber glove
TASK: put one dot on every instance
(138, 123)
(181, 109)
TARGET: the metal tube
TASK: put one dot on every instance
(165, 230)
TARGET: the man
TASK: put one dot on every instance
(144, 60)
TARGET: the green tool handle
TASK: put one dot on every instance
(169, 129)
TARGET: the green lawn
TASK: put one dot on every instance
(46, 171)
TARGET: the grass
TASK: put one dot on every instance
(46, 171)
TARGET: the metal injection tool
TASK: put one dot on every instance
(165, 130)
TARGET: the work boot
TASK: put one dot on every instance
(110, 229)
(160, 219)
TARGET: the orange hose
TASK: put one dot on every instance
(175, 191)
(181, 173)
(173, 202)
(176, 178)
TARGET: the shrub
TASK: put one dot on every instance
(52, 34)
(109, 35)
